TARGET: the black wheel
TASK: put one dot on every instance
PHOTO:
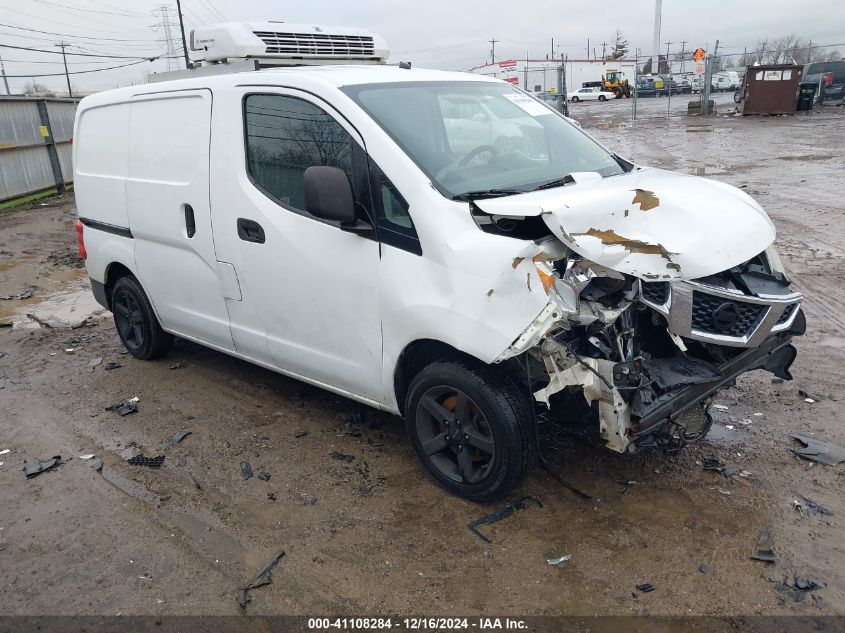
(575, 99)
(472, 428)
(136, 323)
(603, 98)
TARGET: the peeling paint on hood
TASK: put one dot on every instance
(650, 223)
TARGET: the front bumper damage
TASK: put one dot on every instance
(649, 356)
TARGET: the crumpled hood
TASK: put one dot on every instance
(650, 223)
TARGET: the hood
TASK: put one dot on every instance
(649, 223)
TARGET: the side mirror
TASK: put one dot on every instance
(328, 194)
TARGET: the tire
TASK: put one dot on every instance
(603, 98)
(575, 99)
(136, 322)
(495, 444)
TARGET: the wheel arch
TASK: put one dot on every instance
(115, 271)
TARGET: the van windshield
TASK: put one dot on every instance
(481, 136)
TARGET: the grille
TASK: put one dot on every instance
(705, 306)
(656, 292)
(787, 313)
(321, 44)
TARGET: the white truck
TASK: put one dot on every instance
(438, 245)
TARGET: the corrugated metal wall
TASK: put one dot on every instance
(24, 153)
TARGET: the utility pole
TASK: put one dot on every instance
(182, 28)
(5, 81)
(668, 63)
(553, 51)
(67, 75)
(683, 60)
(525, 73)
(588, 48)
(164, 14)
(493, 49)
(603, 49)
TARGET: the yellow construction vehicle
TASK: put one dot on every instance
(614, 81)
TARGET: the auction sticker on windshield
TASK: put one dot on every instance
(528, 104)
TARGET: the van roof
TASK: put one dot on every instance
(327, 76)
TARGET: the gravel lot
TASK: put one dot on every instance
(373, 535)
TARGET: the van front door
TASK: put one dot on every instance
(309, 291)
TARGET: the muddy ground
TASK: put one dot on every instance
(374, 535)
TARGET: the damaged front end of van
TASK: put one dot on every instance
(662, 289)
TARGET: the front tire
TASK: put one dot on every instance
(575, 99)
(472, 428)
(603, 98)
(136, 322)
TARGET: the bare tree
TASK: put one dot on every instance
(34, 89)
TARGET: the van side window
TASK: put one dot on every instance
(393, 221)
(284, 137)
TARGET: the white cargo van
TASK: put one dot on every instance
(438, 245)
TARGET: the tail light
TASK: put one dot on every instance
(828, 79)
(79, 228)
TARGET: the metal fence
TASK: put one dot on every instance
(35, 144)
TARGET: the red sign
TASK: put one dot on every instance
(508, 63)
(699, 54)
(512, 80)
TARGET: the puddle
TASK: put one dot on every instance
(69, 307)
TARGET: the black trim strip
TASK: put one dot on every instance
(107, 228)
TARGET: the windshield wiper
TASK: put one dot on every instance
(557, 182)
(485, 193)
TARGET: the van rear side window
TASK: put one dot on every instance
(284, 137)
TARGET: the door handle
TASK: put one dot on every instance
(250, 231)
(190, 221)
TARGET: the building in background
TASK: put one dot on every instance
(540, 75)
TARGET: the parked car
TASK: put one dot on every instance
(831, 77)
(465, 274)
(546, 97)
(646, 86)
(590, 94)
(722, 83)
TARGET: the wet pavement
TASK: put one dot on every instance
(374, 535)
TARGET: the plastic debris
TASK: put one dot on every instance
(502, 513)
(23, 293)
(765, 547)
(179, 365)
(194, 481)
(342, 457)
(720, 407)
(558, 561)
(810, 400)
(814, 507)
(704, 568)
(123, 408)
(88, 456)
(176, 438)
(646, 587)
(33, 466)
(263, 476)
(819, 450)
(152, 462)
(5, 450)
(263, 577)
(94, 362)
(246, 470)
(110, 366)
(300, 434)
(730, 427)
(97, 465)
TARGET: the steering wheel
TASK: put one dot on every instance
(462, 162)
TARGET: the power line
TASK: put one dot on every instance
(164, 13)
(83, 72)
(43, 19)
(87, 37)
(211, 10)
(100, 11)
(41, 50)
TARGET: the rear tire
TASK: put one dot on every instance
(603, 98)
(575, 99)
(136, 322)
(472, 428)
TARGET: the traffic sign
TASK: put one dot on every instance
(699, 54)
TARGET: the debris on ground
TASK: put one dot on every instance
(152, 462)
(97, 465)
(819, 450)
(300, 434)
(194, 481)
(87, 456)
(246, 470)
(5, 450)
(110, 366)
(179, 365)
(175, 438)
(123, 408)
(264, 476)
(342, 457)
(263, 577)
(806, 584)
(704, 568)
(545, 466)
(502, 513)
(812, 507)
(23, 293)
(94, 362)
(646, 587)
(809, 396)
(558, 561)
(33, 466)
(720, 407)
(765, 547)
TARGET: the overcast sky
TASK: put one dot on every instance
(435, 33)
